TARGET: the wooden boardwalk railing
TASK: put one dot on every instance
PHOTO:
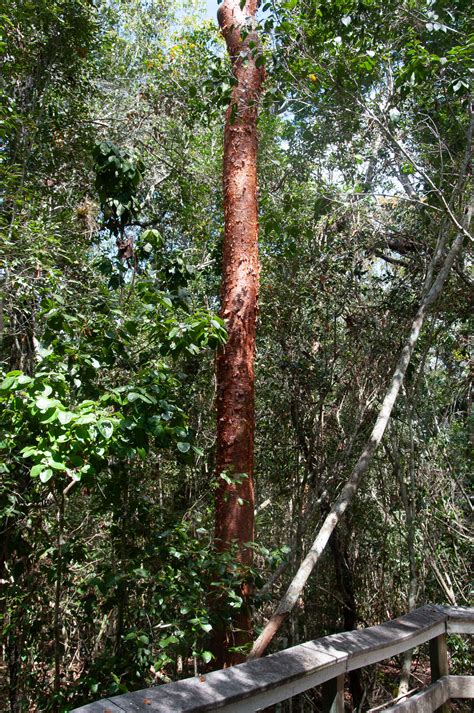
(257, 684)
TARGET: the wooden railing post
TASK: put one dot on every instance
(439, 665)
(333, 695)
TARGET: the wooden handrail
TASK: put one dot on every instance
(257, 684)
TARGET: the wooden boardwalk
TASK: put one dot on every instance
(257, 684)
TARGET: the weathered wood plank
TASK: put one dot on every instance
(461, 686)
(262, 682)
(394, 637)
(426, 701)
(263, 700)
(460, 620)
(103, 706)
(250, 686)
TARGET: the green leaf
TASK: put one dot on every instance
(140, 572)
(46, 475)
(167, 302)
(133, 396)
(8, 383)
(65, 417)
(52, 417)
(36, 470)
(23, 379)
(87, 418)
(131, 327)
(206, 656)
(153, 236)
(167, 640)
(57, 465)
(43, 403)
(29, 451)
(183, 447)
(106, 428)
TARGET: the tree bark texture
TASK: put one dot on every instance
(239, 293)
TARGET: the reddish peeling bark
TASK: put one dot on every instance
(239, 292)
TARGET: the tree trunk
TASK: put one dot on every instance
(239, 292)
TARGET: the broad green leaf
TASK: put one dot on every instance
(134, 395)
(29, 451)
(106, 428)
(52, 417)
(43, 403)
(57, 465)
(87, 418)
(23, 379)
(8, 383)
(65, 417)
(167, 640)
(46, 475)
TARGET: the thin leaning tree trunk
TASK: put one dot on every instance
(347, 493)
(239, 292)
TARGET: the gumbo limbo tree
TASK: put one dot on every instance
(239, 293)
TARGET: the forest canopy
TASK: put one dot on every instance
(235, 312)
